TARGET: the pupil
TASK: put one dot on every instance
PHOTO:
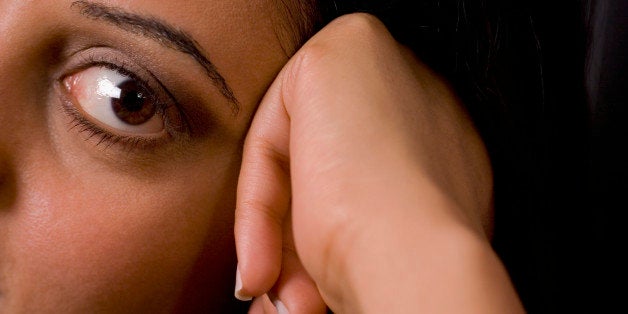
(134, 106)
(132, 100)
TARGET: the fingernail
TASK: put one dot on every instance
(281, 308)
(238, 288)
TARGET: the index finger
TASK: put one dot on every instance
(263, 197)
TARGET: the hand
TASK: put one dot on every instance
(364, 180)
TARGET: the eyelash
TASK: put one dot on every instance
(108, 138)
(130, 143)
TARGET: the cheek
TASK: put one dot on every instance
(115, 242)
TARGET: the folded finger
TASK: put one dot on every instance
(263, 198)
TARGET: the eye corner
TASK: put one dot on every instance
(112, 105)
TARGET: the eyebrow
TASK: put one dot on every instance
(167, 35)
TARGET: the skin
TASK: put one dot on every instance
(89, 227)
(362, 170)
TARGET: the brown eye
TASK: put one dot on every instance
(134, 106)
(115, 100)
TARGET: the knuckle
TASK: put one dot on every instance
(361, 29)
(359, 21)
(305, 67)
(340, 40)
(253, 210)
(260, 147)
(357, 30)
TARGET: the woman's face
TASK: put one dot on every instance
(121, 124)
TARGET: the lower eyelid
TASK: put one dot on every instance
(79, 124)
(94, 92)
(182, 125)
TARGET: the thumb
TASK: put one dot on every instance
(263, 197)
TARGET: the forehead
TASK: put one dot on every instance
(220, 24)
(242, 38)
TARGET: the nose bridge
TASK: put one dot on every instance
(12, 28)
(17, 56)
(8, 186)
(21, 82)
(7, 182)
(8, 13)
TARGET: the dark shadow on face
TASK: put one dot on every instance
(8, 190)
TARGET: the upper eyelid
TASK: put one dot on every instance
(161, 32)
(102, 133)
(198, 115)
(109, 59)
(116, 63)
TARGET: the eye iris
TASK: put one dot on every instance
(134, 106)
